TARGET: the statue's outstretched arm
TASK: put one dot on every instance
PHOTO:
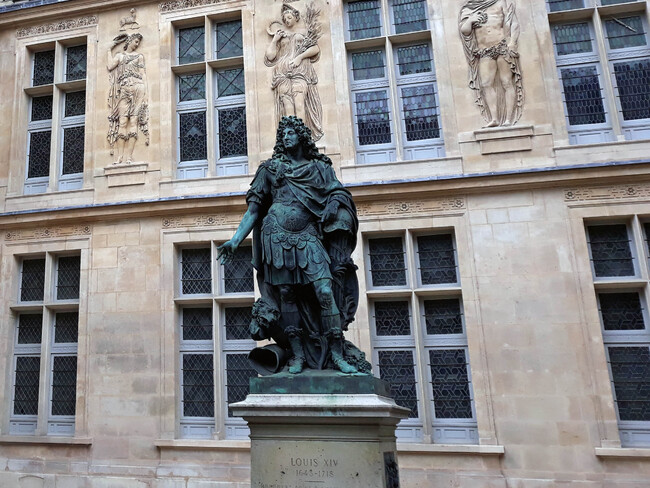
(248, 221)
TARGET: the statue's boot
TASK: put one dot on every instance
(291, 321)
(332, 326)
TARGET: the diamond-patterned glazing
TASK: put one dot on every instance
(193, 136)
(631, 376)
(572, 38)
(450, 384)
(409, 15)
(392, 318)
(43, 68)
(583, 95)
(387, 266)
(32, 283)
(191, 87)
(368, 65)
(41, 108)
(64, 385)
(364, 19)
(197, 324)
(633, 83)
(196, 272)
(232, 132)
(621, 311)
(73, 150)
(30, 328)
(39, 153)
(230, 82)
(238, 273)
(610, 250)
(191, 45)
(558, 5)
(229, 39)
(198, 385)
(66, 327)
(237, 323)
(75, 103)
(238, 375)
(373, 117)
(420, 112)
(26, 379)
(68, 273)
(398, 369)
(413, 60)
(75, 63)
(437, 259)
(443, 316)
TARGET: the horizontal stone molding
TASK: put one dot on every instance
(619, 192)
(201, 221)
(47, 232)
(61, 25)
(410, 207)
(174, 5)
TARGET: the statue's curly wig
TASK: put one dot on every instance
(309, 149)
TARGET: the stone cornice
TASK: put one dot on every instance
(58, 26)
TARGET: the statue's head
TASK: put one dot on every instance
(289, 15)
(309, 149)
(137, 38)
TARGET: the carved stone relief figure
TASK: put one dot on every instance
(129, 22)
(291, 53)
(489, 30)
(127, 97)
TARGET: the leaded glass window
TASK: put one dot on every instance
(193, 136)
(583, 95)
(75, 63)
(230, 82)
(397, 367)
(198, 385)
(196, 274)
(611, 254)
(41, 108)
(443, 316)
(450, 383)
(30, 328)
(364, 19)
(373, 117)
(572, 38)
(368, 65)
(415, 59)
(238, 374)
(625, 32)
(66, 327)
(630, 370)
(75, 103)
(64, 385)
(558, 5)
(437, 259)
(232, 132)
(237, 323)
(621, 311)
(229, 39)
(43, 73)
(191, 87)
(191, 45)
(68, 273)
(420, 112)
(39, 154)
(409, 15)
(32, 285)
(238, 273)
(633, 83)
(26, 385)
(392, 318)
(387, 265)
(613, 2)
(196, 324)
(73, 150)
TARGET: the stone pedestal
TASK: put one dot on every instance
(321, 430)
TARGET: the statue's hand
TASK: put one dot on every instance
(226, 252)
(329, 214)
(478, 18)
(295, 62)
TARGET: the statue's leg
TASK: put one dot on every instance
(488, 70)
(331, 321)
(121, 138)
(290, 321)
(506, 78)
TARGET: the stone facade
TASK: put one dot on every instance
(516, 199)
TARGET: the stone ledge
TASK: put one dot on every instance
(200, 444)
(622, 452)
(505, 139)
(486, 450)
(126, 174)
(49, 440)
(401, 170)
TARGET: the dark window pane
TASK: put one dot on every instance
(30, 328)
(373, 117)
(364, 19)
(420, 112)
(32, 283)
(612, 2)
(43, 68)
(437, 259)
(450, 384)
(28, 370)
(557, 5)
(66, 327)
(621, 311)
(75, 103)
(191, 45)
(198, 385)
(73, 150)
(197, 324)
(368, 65)
(610, 250)
(238, 375)
(572, 38)
(392, 318)
(398, 369)
(230, 82)
(191, 87)
(238, 273)
(387, 261)
(75, 63)
(414, 59)
(631, 376)
(193, 136)
(443, 316)
(229, 39)
(409, 15)
(232, 132)
(633, 83)
(237, 323)
(64, 385)
(583, 95)
(67, 286)
(196, 275)
(39, 154)
(625, 32)
(41, 108)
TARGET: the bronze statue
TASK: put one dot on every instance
(304, 225)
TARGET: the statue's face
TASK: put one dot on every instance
(288, 19)
(290, 138)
